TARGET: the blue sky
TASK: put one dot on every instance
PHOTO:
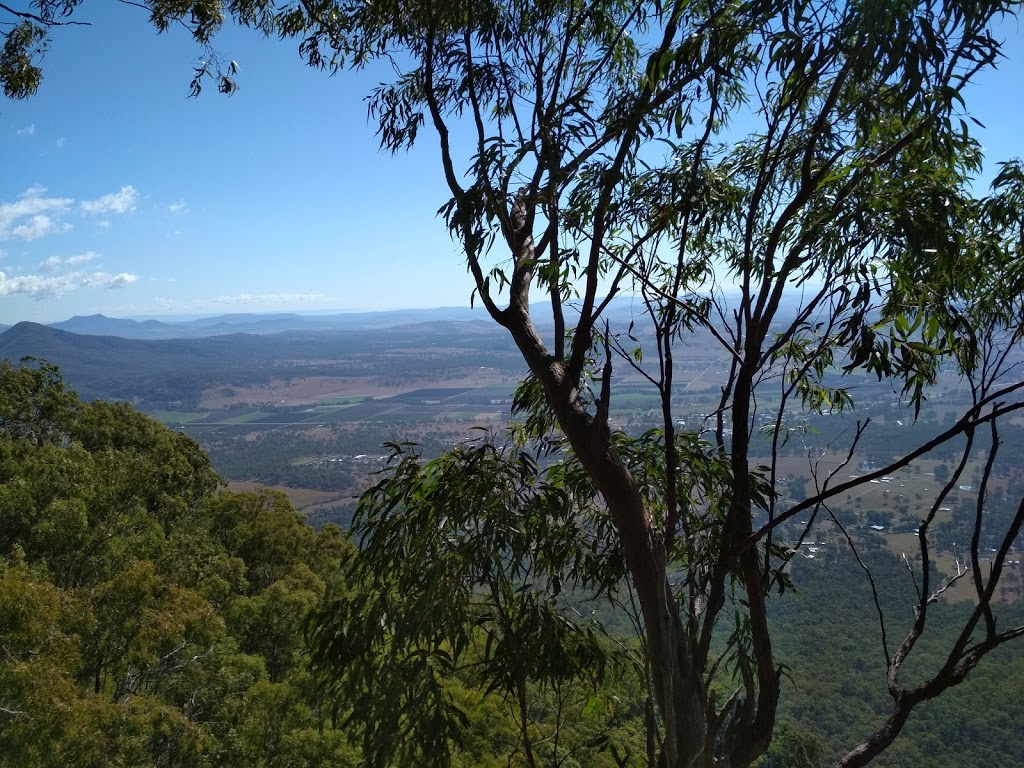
(119, 195)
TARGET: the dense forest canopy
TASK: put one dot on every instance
(145, 617)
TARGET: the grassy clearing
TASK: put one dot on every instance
(301, 498)
(245, 418)
(634, 400)
(173, 418)
(482, 418)
(945, 563)
(504, 388)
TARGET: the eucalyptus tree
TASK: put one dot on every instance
(27, 32)
(461, 564)
(717, 160)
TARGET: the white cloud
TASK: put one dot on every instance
(34, 214)
(31, 215)
(104, 280)
(39, 287)
(81, 258)
(34, 286)
(269, 298)
(34, 228)
(116, 202)
(28, 130)
(59, 144)
(50, 264)
(53, 262)
(179, 208)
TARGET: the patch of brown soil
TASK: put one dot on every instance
(301, 498)
(311, 389)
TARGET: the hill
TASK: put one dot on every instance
(111, 367)
(174, 372)
(244, 322)
(101, 325)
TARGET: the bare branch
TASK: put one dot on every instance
(45, 21)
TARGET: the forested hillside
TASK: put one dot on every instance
(150, 618)
(175, 372)
(147, 618)
(830, 643)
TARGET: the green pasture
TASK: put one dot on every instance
(504, 389)
(174, 418)
(632, 400)
(245, 418)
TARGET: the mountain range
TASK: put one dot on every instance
(101, 325)
(161, 363)
(173, 372)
